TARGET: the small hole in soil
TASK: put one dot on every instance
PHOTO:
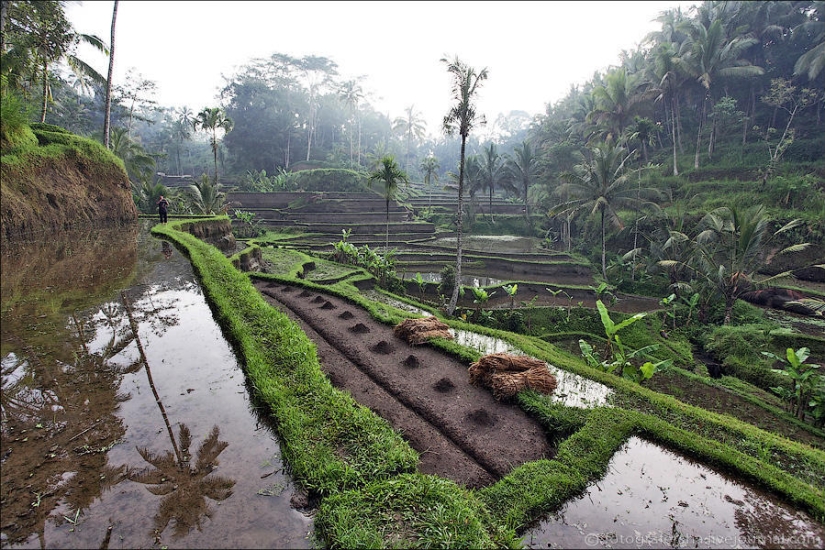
(382, 347)
(272, 284)
(317, 300)
(360, 328)
(304, 294)
(444, 385)
(328, 305)
(481, 417)
(346, 315)
(411, 362)
(283, 288)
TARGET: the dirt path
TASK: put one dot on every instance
(461, 431)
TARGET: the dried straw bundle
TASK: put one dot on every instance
(540, 379)
(479, 375)
(505, 386)
(508, 374)
(418, 331)
(505, 362)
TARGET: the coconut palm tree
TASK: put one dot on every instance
(135, 159)
(462, 118)
(729, 248)
(812, 62)
(616, 102)
(107, 116)
(602, 185)
(212, 119)
(390, 175)
(492, 168)
(351, 93)
(429, 167)
(207, 197)
(412, 127)
(522, 167)
(48, 37)
(708, 55)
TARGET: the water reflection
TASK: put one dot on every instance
(80, 414)
(184, 487)
(476, 281)
(572, 390)
(654, 498)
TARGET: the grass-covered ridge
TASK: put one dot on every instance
(60, 180)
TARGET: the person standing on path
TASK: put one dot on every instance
(163, 208)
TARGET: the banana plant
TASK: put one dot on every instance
(480, 297)
(511, 291)
(804, 378)
(422, 284)
(619, 360)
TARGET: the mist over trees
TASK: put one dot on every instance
(736, 80)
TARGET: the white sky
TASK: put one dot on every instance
(533, 51)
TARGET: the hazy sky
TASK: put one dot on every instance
(533, 51)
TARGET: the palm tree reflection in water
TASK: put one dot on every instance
(184, 486)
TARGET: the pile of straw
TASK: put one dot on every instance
(418, 331)
(506, 374)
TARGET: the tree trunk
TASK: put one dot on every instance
(699, 132)
(604, 250)
(456, 289)
(729, 301)
(491, 200)
(107, 117)
(678, 116)
(673, 131)
(714, 128)
(45, 92)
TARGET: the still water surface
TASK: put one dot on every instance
(126, 419)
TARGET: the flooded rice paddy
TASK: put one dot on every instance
(126, 420)
(654, 498)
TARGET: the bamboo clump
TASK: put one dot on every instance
(507, 374)
(418, 331)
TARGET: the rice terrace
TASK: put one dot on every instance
(600, 327)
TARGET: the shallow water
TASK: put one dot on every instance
(116, 441)
(655, 498)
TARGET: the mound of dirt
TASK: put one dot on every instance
(461, 431)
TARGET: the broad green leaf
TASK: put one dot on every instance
(629, 321)
(647, 370)
(609, 326)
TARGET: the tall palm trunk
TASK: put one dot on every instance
(107, 117)
(673, 132)
(459, 223)
(604, 250)
(699, 131)
(45, 92)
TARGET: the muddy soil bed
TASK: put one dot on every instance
(461, 432)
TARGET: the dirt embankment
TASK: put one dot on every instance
(71, 189)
